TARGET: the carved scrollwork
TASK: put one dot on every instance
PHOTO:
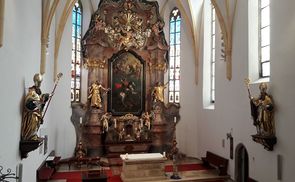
(94, 63)
(159, 67)
(126, 29)
(128, 117)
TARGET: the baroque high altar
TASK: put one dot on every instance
(126, 53)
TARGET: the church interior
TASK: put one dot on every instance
(147, 90)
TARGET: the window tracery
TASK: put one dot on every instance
(76, 53)
(174, 56)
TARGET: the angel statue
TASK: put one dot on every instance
(105, 121)
(158, 92)
(95, 94)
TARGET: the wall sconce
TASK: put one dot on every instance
(231, 140)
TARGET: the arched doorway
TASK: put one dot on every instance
(241, 164)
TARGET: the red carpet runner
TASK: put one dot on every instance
(77, 175)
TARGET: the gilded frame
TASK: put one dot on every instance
(127, 84)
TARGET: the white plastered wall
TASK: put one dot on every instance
(65, 137)
(186, 128)
(232, 109)
(199, 129)
(19, 61)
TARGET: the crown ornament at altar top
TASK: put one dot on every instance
(127, 28)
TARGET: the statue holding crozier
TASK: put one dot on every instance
(35, 106)
(262, 111)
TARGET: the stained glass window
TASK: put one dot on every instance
(264, 38)
(76, 52)
(174, 56)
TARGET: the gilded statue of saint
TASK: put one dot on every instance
(146, 118)
(32, 112)
(95, 94)
(158, 92)
(105, 121)
(262, 111)
(157, 40)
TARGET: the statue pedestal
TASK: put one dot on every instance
(267, 141)
(158, 138)
(27, 146)
(159, 128)
(92, 133)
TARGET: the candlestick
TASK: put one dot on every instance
(175, 119)
(80, 120)
(115, 123)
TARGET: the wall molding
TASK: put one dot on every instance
(193, 28)
(48, 11)
(67, 10)
(197, 22)
(225, 12)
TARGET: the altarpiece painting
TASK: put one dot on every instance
(127, 84)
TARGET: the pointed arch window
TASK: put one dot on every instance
(76, 52)
(264, 38)
(174, 56)
(212, 59)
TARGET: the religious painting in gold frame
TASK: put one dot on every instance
(127, 83)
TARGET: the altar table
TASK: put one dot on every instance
(143, 167)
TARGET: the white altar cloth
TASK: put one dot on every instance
(137, 157)
(143, 167)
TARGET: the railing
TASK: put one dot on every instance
(8, 175)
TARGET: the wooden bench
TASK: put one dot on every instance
(47, 168)
(44, 173)
(78, 162)
(217, 161)
(53, 161)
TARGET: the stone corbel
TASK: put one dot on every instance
(225, 12)
(2, 5)
(267, 141)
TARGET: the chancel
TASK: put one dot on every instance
(151, 90)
